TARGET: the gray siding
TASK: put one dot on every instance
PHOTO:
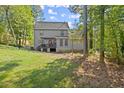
(47, 34)
(55, 30)
(77, 45)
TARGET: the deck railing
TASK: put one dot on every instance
(48, 45)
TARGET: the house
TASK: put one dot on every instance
(54, 36)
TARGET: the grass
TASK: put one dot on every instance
(23, 68)
(30, 69)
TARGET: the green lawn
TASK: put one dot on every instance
(23, 68)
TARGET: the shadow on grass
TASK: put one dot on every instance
(58, 73)
(6, 68)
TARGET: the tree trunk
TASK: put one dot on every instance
(91, 39)
(102, 34)
(19, 46)
(25, 39)
(85, 31)
(91, 31)
(6, 8)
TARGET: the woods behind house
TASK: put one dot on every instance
(104, 28)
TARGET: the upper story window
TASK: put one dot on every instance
(41, 33)
(62, 33)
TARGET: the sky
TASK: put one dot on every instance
(59, 13)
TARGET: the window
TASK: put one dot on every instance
(62, 33)
(61, 42)
(66, 42)
(41, 33)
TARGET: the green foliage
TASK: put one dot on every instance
(113, 34)
(17, 21)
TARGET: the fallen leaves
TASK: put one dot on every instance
(92, 73)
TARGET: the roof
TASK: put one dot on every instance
(51, 25)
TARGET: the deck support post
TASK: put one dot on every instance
(48, 49)
(41, 49)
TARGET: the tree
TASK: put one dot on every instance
(102, 9)
(37, 12)
(114, 32)
(83, 19)
(105, 30)
(90, 27)
(85, 31)
(18, 22)
(8, 22)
